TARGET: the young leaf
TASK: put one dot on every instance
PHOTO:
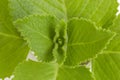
(106, 66)
(85, 40)
(22, 8)
(60, 43)
(39, 31)
(12, 48)
(100, 11)
(50, 71)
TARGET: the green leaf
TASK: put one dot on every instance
(13, 49)
(102, 12)
(78, 73)
(85, 40)
(22, 8)
(114, 44)
(39, 31)
(50, 71)
(35, 71)
(116, 24)
(106, 66)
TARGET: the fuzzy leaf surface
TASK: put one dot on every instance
(85, 40)
(102, 12)
(50, 71)
(106, 66)
(114, 44)
(39, 31)
(22, 8)
(13, 48)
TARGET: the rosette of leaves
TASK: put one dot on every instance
(65, 35)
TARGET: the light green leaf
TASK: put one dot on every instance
(85, 40)
(39, 31)
(114, 44)
(50, 71)
(12, 48)
(60, 42)
(22, 8)
(100, 11)
(106, 66)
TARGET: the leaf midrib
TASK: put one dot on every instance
(85, 43)
(41, 34)
(110, 51)
(9, 35)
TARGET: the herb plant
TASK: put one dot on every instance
(65, 35)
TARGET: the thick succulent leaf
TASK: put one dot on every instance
(100, 11)
(60, 42)
(49, 71)
(114, 44)
(22, 8)
(85, 40)
(12, 48)
(106, 66)
(39, 31)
